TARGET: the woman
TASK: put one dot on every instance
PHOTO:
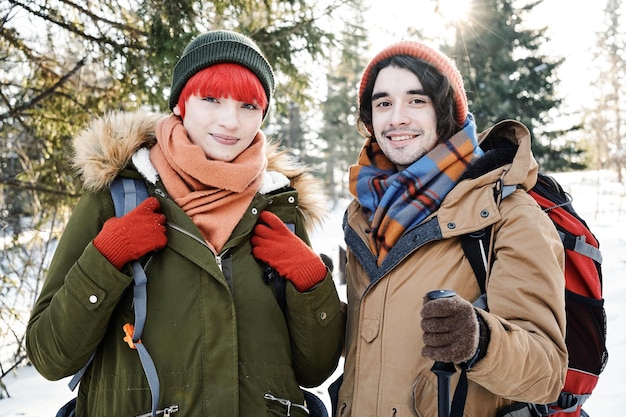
(217, 220)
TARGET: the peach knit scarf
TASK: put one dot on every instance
(215, 194)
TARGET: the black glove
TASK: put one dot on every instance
(452, 331)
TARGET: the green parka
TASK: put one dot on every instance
(214, 329)
(526, 360)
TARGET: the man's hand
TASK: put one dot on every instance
(451, 329)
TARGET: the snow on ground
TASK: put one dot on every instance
(597, 197)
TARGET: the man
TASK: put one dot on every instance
(421, 182)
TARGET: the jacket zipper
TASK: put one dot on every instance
(167, 412)
(218, 257)
(188, 234)
(287, 403)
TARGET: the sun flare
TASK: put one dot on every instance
(454, 10)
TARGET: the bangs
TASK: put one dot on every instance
(225, 80)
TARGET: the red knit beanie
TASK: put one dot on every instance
(435, 58)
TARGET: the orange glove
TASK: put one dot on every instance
(128, 238)
(274, 244)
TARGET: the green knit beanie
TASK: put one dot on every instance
(216, 47)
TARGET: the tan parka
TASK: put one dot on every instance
(220, 342)
(385, 373)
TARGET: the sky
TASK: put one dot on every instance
(598, 198)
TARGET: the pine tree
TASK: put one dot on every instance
(606, 118)
(343, 142)
(505, 74)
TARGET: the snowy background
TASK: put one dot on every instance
(598, 198)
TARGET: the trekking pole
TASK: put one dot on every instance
(443, 370)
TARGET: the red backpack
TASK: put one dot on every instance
(586, 318)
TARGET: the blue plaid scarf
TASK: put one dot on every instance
(397, 201)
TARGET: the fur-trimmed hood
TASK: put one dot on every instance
(107, 145)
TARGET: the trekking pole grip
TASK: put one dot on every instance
(443, 370)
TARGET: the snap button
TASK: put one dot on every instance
(93, 299)
(323, 315)
(255, 211)
(484, 213)
(291, 199)
(451, 225)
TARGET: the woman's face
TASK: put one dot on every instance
(222, 127)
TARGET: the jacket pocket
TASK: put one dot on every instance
(424, 396)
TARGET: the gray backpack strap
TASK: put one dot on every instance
(140, 300)
(128, 193)
(579, 244)
(78, 375)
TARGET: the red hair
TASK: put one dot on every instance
(224, 80)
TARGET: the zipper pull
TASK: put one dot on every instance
(168, 411)
(219, 257)
(160, 193)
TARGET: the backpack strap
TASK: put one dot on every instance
(133, 333)
(549, 188)
(579, 245)
(476, 246)
(271, 276)
(128, 193)
(78, 375)
(477, 249)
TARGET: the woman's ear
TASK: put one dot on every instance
(176, 110)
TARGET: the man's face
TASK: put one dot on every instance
(222, 127)
(403, 116)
